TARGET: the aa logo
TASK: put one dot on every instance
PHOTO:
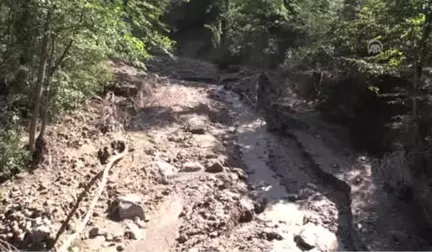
(374, 47)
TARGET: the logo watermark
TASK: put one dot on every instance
(374, 47)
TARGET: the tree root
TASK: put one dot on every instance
(102, 174)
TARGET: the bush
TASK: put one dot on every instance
(13, 157)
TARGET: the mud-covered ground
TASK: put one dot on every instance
(202, 173)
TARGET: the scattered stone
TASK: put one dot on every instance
(293, 197)
(305, 194)
(232, 129)
(109, 237)
(182, 238)
(96, 232)
(311, 218)
(128, 207)
(103, 155)
(197, 128)
(312, 186)
(314, 236)
(124, 89)
(271, 235)
(234, 176)
(141, 223)
(176, 139)
(213, 234)
(120, 247)
(134, 231)
(260, 205)
(41, 230)
(117, 236)
(166, 170)
(240, 172)
(214, 166)
(192, 167)
(211, 155)
(247, 210)
(358, 180)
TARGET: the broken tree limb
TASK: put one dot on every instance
(102, 174)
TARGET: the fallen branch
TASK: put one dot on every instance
(102, 174)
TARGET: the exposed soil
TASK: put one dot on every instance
(202, 174)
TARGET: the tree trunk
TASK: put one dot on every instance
(47, 94)
(50, 91)
(40, 82)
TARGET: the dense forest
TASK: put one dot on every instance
(54, 54)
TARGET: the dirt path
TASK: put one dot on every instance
(278, 183)
(204, 175)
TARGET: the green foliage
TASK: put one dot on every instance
(397, 24)
(264, 30)
(76, 86)
(96, 29)
(12, 156)
(82, 36)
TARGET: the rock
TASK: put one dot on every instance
(197, 129)
(247, 210)
(305, 193)
(134, 232)
(214, 166)
(182, 238)
(312, 186)
(240, 172)
(292, 197)
(271, 235)
(192, 167)
(312, 218)
(234, 177)
(166, 170)
(213, 234)
(124, 89)
(196, 125)
(96, 232)
(141, 223)
(15, 228)
(260, 205)
(211, 156)
(117, 236)
(128, 207)
(120, 247)
(41, 230)
(313, 236)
